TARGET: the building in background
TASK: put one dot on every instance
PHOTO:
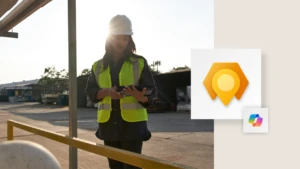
(173, 88)
(172, 91)
(20, 91)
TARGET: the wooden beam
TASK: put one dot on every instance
(24, 14)
(6, 5)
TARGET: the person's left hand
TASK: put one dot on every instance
(138, 95)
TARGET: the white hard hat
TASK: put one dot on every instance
(120, 25)
(26, 154)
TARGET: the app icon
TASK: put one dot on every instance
(225, 80)
(255, 120)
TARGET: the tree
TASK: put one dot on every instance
(86, 72)
(63, 74)
(54, 79)
(153, 71)
(48, 76)
(155, 63)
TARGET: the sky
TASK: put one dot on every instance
(164, 30)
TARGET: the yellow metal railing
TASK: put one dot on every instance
(131, 158)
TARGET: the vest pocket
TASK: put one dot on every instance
(103, 116)
(134, 115)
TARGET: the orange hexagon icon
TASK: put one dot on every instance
(225, 80)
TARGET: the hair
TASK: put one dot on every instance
(129, 51)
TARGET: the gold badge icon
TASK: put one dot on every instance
(225, 80)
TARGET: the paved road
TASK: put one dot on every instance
(175, 137)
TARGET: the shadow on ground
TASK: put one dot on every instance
(86, 118)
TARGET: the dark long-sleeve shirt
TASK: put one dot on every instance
(116, 129)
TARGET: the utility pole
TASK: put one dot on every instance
(72, 81)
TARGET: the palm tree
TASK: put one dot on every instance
(152, 66)
(157, 63)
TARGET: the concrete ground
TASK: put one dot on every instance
(175, 137)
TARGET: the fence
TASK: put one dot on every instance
(131, 158)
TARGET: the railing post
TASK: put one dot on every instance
(10, 131)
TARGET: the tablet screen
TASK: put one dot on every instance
(149, 89)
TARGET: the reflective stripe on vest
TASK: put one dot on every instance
(102, 106)
(131, 109)
(126, 106)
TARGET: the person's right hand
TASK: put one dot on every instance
(112, 92)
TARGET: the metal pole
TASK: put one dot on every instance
(72, 81)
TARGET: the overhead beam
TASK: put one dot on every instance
(13, 13)
(9, 34)
(37, 4)
(6, 5)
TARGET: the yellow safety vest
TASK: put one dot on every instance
(131, 109)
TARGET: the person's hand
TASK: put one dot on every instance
(138, 95)
(112, 92)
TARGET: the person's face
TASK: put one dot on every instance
(119, 42)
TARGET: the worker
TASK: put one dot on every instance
(122, 116)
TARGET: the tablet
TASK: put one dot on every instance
(149, 89)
